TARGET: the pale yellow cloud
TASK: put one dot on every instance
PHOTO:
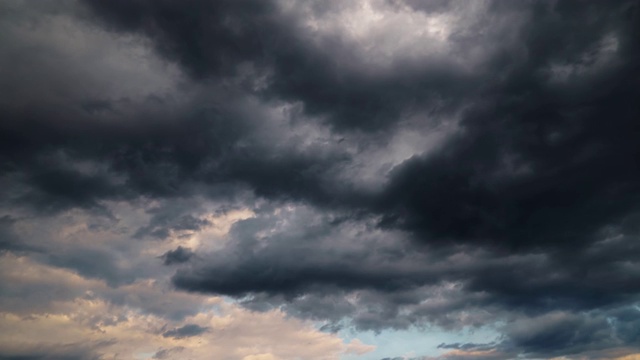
(126, 329)
(260, 357)
(629, 357)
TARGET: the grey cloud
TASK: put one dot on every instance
(167, 353)
(525, 211)
(570, 333)
(574, 335)
(177, 256)
(296, 71)
(468, 346)
(72, 351)
(161, 227)
(9, 241)
(94, 263)
(467, 191)
(185, 331)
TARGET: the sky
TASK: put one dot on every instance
(319, 180)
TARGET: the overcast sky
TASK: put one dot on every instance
(331, 179)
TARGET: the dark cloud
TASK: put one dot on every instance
(393, 280)
(161, 227)
(72, 351)
(43, 356)
(178, 256)
(570, 333)
(220, 37)
(188, 330)
(9, 241)
(94, 263)
(468, 346)
(167, 353)
(524, 213)
(559, 334)
(62, 188)
(307, 67)
(251, 264)
(533, 164)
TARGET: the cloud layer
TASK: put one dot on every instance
(195, 168)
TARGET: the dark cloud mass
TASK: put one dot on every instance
(370, 164)
(177, 256)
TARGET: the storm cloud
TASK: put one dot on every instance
(368, 166)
